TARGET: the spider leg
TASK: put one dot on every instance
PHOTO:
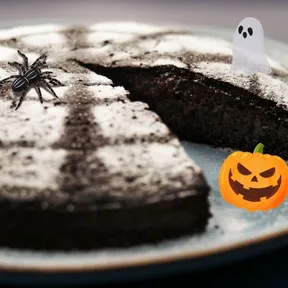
(40, 61)
(21, 98)
(52, 81)
(18, 65)
(48, 86)
(46, 73)
(25, 59)
(8, 78)
(38, 90)
(55, 82)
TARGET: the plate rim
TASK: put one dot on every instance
(153, 260)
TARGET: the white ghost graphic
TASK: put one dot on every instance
(248, 48)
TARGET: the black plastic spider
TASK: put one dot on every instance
(31, 76)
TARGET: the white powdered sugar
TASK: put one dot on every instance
(94, 78)
(154, 155)
(222, 71)
(52, 40)
(128, 120)
(88, 78)
(140, 63)
(277, 66)
(147, 44)
(128, 27)
(271, 88)
(8, 54)
(199, 44)
(6, 72)
(99, 54)
(274, 89)
(120, 56)
(32, 123)
(30, 167)
(30, 30)
(107, 92)
(149, 165)
(47, 96)
(100, 37)
(168, 61)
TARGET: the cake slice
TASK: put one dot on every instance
(186, 79)
(91, 169)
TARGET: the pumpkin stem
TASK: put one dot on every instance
(259, 148)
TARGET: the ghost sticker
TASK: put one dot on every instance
(248, 48)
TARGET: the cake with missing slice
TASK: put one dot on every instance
(102, 166)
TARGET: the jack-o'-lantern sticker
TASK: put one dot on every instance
(254, 181)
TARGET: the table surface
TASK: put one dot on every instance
(267, 270)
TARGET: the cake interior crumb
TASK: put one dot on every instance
(209, 115)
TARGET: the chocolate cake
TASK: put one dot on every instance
(102, 166)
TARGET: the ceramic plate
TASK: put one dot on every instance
(232, 233)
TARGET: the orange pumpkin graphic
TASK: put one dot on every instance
(254, 181)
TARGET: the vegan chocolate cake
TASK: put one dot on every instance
(102, 166)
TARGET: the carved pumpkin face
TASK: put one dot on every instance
(254, 181)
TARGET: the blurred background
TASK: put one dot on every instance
(224, 13)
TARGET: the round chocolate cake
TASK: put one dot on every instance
(102, 165)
